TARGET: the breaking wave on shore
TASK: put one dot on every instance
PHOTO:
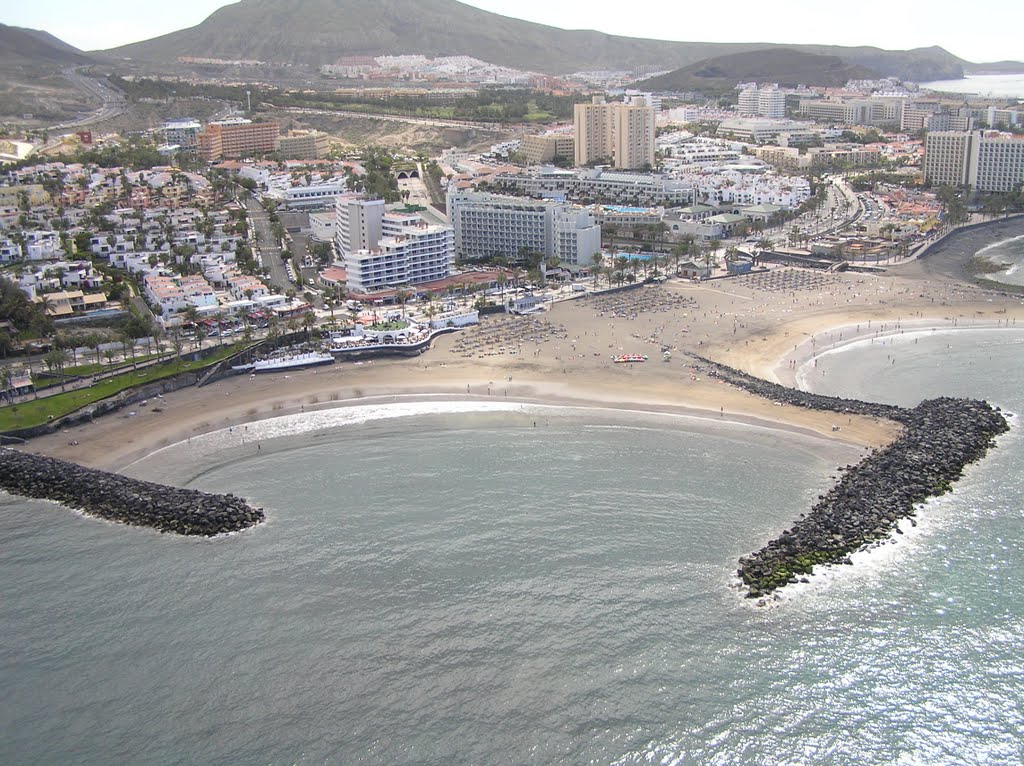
(1007, 258)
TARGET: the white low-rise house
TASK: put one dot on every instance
(247, 287)
(239, 308)
(175, 294)
(43, 246)
(317, 195)
(599, 184)
(321, 225)
(267, 302)
(258, 173)
(749, 185)
(110, 243)
(136, 263)
(10, 251)
(463, 318)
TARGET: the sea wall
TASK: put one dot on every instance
(120, 400)
(940, 438)
(118, 498)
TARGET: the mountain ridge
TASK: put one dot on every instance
(21, 46)
(787, 67)
(316, 32)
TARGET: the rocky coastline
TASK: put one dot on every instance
(940, 438)
(118, 498)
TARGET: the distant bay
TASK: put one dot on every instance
(997, 85)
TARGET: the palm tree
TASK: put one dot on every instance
(176, 343)
(55, 359)
(678, 251)
(109, 356)
(403, 296)
(220, 316)
(621, 264)
(274, 328)
(308, 320)
(94, 341)
(596, 261)
(709, 259)
(127, 345)
(732, 255)
(5, 384)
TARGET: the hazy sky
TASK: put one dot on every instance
(991, 34)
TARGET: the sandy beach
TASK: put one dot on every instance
(767, 324)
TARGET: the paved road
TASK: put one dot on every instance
(112, 103)
(418, 195)
(268, 247)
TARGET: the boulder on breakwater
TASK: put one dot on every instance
(940, 438)
(118, 498)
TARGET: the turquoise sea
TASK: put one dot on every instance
(528, 586)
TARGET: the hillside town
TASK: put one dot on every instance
(194, 232)
(483, 382)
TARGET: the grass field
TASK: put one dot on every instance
(38, 411)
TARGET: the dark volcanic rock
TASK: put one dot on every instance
(940, 437)
(118, 498)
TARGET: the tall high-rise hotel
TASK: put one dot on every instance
(986, 161)
(621, 133)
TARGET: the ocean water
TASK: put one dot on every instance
(528, 585)
(1007, 252)
(997, 85)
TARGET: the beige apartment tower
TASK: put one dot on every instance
(633, 132)
(622, 133)
(593, 131)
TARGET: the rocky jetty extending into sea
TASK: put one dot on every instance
(118, 498)
(940, 438)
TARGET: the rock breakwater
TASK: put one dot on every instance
(118, 498)
(940, 438)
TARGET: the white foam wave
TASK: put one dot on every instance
(983, 252)
(335, 417)
(852, 341)
(917, 539)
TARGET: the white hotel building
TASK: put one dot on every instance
(987, 162)
(497, 225)
(382, 250)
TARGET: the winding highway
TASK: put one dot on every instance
(112, 102)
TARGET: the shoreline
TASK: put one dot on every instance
(237, 441)
(769, 333)
(118, 441)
